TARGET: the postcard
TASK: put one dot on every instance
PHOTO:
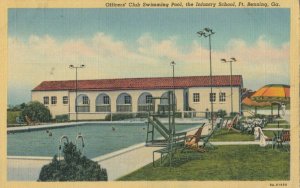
(150, 93)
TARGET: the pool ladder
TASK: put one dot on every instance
(78, 137)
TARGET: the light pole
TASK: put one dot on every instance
(76, 67)
(173, 97)
(207, 32)
(230, 61)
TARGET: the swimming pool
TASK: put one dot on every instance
(100, 139)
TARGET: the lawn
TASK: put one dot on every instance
(282, 124)
(225, 135)
(249, 162)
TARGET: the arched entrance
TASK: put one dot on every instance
(103, 103)
(124, 103)
(145, 102)
(83, 103)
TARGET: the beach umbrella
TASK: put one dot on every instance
(274, 94)
(249, 102)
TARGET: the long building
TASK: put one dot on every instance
(97, 98)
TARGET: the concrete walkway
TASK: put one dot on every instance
(25, 168)
(128, 162)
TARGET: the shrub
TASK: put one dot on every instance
(221, 113)
(232, 114)
(37, 112)
(261, 116)
(117, 117)
(73, 167)
(62, 118)
(142, 115)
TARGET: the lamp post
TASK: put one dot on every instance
(230, 61)
(173, 97)
(207, 32)
(76, 67)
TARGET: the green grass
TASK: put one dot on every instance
(269, 134)
(249, 162)
(285, 126)
(225, 135)
(11, 116)
(282, 124)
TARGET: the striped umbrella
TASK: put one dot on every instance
(249, 102)
(274, 94)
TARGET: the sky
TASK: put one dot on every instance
(126, 43)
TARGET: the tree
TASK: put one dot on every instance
(74, 167)
(36, 111)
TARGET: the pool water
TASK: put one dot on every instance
(99, 139)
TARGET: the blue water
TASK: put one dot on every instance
(99, 139)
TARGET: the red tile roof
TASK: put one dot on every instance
(140, 83)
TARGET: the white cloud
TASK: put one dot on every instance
(47, 58)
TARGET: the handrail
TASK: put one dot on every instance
(79, 136)
(60, 141)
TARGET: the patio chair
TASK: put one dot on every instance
(219, 123)
(281, 139)
(233, 123)
(176, 144)
(193, 140)
(206, 138)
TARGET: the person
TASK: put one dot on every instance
(259, 135)
(113, 129)
(282, 109)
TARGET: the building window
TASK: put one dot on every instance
(85, 100)
(148, 99)
(196, 97)
(222, 97)
(105, 99)
(46, 100)
(53, 100)
(65, 100)
(127, 100)
(212, 97)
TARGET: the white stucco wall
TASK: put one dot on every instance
(55, 109)
(69, 108)
(113, 95)
(201, 106)
(205, 102)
